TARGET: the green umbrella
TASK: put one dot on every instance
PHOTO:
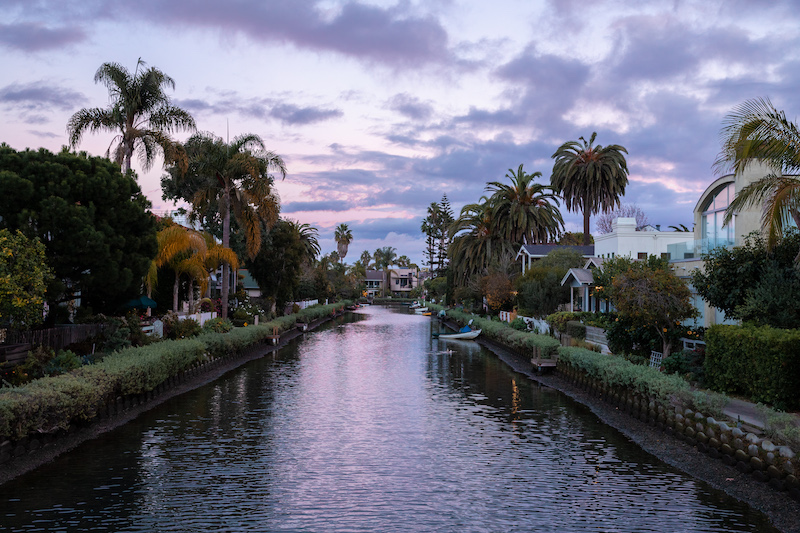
(142, 302)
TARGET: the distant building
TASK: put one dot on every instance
(529, 253)
(401, 282)
(627, 240)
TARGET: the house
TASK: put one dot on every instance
(374, 282)
(249, 284)
(529, 253)
(401, 282)
(581, 284)
(626, 239)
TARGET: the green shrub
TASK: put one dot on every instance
(687, 363)
(217, 325)
(761, 363)
(63, 362)
(559, 320)
(519, 324)
(576, 330)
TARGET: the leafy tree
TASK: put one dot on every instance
(647, 294)
(140, 113)
(522, 211)
(499, 291)
(752, 282)
(539, 290)
(757, 132)
(224, 178)
(343, 237)
(93, 221)
(605, 220)
(277, 266)
(23, 280)
(589, 178)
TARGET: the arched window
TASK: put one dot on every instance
(714, 234)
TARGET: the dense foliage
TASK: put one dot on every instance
(539, 290)
(99, 238)
(753, 283)
(762, 363)
(23, 280)
(47, 404)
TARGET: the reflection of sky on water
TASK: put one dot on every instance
(368, 426)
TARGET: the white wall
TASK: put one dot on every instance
(624, 240)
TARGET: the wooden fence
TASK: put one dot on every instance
(56, 338)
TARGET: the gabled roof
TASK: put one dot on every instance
(594, 262)
(583, 276)
(541, 250)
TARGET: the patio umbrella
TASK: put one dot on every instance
(142, 302)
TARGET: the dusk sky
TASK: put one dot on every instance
(380, 107)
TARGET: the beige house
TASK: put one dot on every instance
(400, 283)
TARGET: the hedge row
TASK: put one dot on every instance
(618, 372)
(47, 404)
(503, 333)
(761, 363)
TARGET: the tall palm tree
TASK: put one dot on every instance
(366, 257)
(343, 237)
(140, 113)
(522, 210)
(475, 242)
(589, 178)
(757, 132)
(235, 177)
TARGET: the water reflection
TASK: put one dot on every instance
(370, 425)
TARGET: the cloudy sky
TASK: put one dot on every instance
(380, 107)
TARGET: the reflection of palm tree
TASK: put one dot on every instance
(757, 132)
(589, 178)
(140, 113)
(343, 237)
(522, 210)
(235, 177)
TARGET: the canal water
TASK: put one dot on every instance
(368, 425)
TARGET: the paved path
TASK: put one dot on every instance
(748, 413)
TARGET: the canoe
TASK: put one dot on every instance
(467, 335)
(421, 310)
(426, 314)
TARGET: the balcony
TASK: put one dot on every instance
(694, 249)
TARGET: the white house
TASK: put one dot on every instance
(626, 240)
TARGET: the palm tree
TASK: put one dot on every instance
(757, 132)
(522, 210)
(307, 235)
(384, 258)
(366, 257)
(589, 178)
(234, 177)
(178, 248)
(343, 237)
(140, 113)
(475, 243)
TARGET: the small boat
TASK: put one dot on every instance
(464, 335)
(426, 314)
(414, 305)
(421, 310)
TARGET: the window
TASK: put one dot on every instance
(666, 256)
(714, 234)
(641, 255)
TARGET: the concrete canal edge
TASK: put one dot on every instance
(782, 510)
(25, 455)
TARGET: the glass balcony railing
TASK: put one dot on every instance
(694, 249)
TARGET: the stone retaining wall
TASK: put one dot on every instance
(749, 453)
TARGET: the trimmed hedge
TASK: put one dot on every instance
(50, 403)
(501, 332)
(762, 363)
(617, 372)
(576, 329)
